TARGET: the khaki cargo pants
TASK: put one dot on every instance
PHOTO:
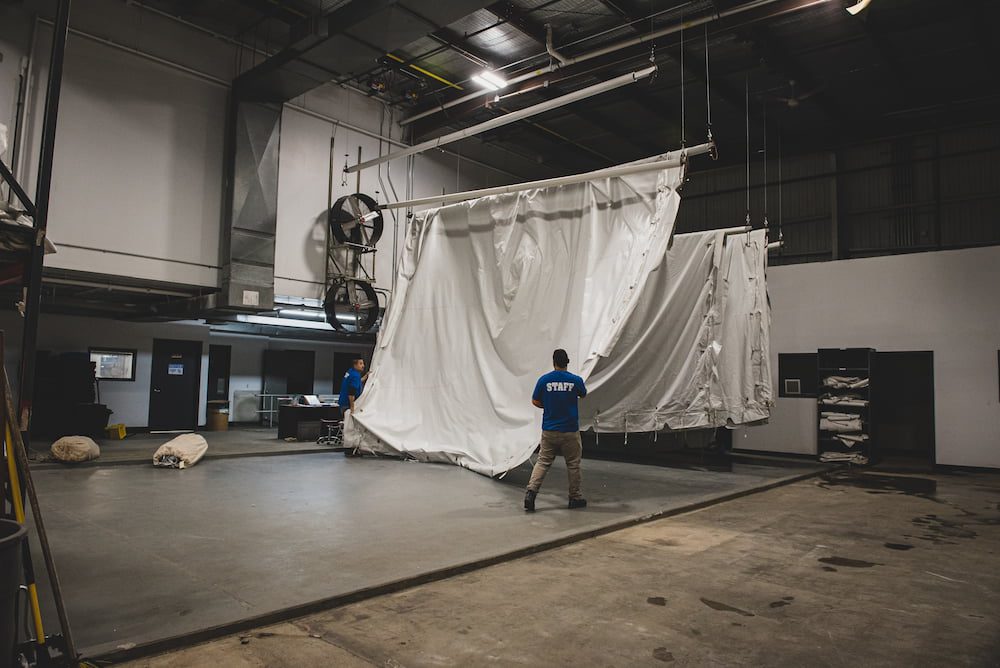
(566, 443)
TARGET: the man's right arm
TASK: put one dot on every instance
(536, 396)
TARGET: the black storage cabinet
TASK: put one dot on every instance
(851, 363)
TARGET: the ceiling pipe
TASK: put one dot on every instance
(672, 159)
(550, 49)
(617, 46)
(512, 117)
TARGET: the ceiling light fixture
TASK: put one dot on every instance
(490, 80)
(858, 7)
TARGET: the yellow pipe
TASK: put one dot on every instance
(15, 483)
(426, 73)
(15, 492)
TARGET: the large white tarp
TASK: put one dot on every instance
(486, 289)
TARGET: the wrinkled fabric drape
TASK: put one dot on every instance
(487, 289)
(694, 353)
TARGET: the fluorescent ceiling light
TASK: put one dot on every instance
(858, 7)
(300, 313)
(490, 80)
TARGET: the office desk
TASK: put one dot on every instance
(302, 422)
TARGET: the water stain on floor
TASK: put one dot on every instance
(830, 569)
(935, 526)
(656, 600)
(899, 546)
(722, 607)
(850, 563)
(785, 600)
(661, 654)
(883, 484)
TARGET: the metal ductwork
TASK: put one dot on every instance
(345, 41)
(247, 244)
(321, 48)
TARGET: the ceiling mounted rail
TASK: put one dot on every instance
(507, 119)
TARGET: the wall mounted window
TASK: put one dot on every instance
(113, 363)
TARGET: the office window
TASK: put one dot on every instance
(113, 364)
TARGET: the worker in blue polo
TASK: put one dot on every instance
(350, 390)
(352, 385)
(556, 393)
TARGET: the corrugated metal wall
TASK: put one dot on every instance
(906, 194)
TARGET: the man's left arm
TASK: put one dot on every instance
(581, 389)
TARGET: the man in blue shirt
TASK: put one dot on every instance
(556, 393)
(352, 385)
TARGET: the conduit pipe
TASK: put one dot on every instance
(672, 159)
(550, 49)
(507, 119)
(617, 46)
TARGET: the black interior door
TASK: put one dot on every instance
(218, 372)
(289, 371)
(174, 384)
(903, 400)
(300, 371)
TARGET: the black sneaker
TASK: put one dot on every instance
(529, 501)
(578, 503)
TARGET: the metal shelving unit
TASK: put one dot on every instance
(845, 414)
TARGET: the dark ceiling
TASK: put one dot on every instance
(813, 73)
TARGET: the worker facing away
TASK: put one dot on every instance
(556, 393)
(352, 385)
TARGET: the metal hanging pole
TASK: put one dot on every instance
(672, 159)
(33, 276)
(512, 117)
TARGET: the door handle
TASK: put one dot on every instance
(156, 389)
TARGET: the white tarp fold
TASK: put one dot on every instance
(487, 289)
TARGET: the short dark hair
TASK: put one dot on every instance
(355, 360)
(560, 358)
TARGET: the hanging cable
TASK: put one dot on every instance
(708, 88)
(683, 130)
(781, 214)
(748, 146)
(764, 122)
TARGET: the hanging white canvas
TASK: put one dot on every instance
(486, 289)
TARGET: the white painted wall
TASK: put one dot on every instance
(15, 30)
(139, 153)
(128, 399)
(946, 302)
(304, 188)
(137, 177)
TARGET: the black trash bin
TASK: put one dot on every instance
(12, 535)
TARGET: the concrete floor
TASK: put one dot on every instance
(139, 448)
(146, 554)
(824, 572)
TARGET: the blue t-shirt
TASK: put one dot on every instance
(350, 385)
(558, 392)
